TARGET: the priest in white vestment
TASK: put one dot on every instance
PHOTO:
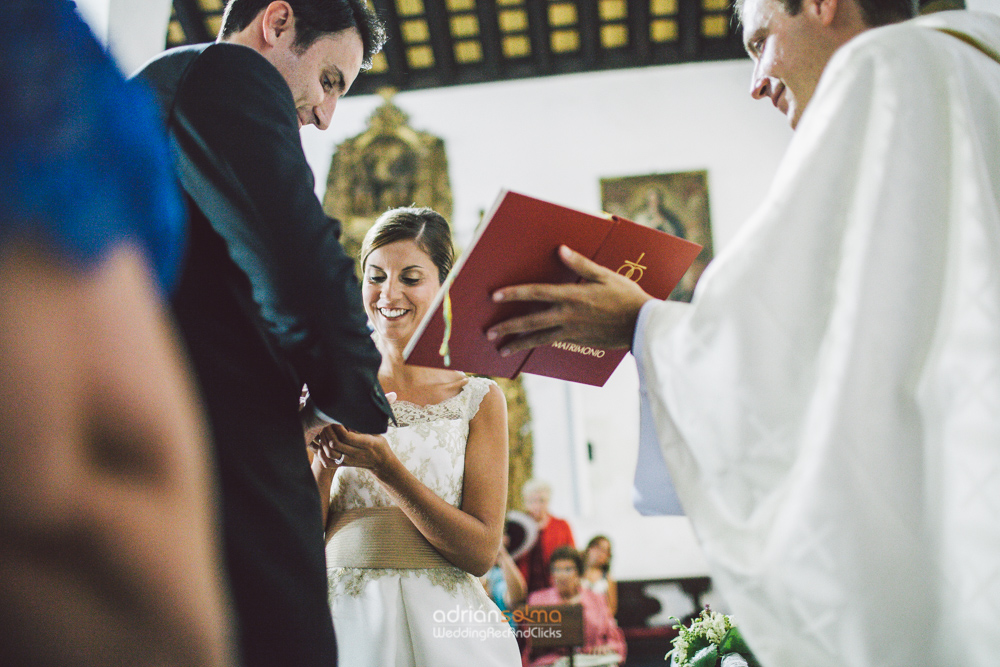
(829, 404)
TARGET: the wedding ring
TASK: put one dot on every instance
(340, 460)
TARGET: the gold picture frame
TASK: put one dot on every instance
(675, 203)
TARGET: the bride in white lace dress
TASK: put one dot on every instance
(417, 515)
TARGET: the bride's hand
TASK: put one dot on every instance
(360, 450)
(324, 448)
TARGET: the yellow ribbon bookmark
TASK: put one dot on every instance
(445, 351)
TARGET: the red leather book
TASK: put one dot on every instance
(518, 243)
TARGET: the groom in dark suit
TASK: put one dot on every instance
(268, 299)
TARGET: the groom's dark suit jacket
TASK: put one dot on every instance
(267, 300)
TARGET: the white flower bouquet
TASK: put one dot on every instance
(712, 640)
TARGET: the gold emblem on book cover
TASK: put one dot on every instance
(633, 270)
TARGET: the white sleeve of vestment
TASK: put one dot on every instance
(653, 491)
(827, 406)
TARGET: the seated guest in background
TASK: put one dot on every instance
(596, 565)
(108, 553)
(553, 532)
(504, 582)
(416, 516)
(600, 631)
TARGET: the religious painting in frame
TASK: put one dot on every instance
(674, 203)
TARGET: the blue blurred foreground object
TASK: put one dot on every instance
(108, 548)
(84, 163)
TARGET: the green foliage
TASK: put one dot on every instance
(733, 642)
(710, 637)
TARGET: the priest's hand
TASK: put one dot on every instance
(600, 312)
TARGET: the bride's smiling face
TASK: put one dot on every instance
(399, 284)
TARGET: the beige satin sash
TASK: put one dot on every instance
(379, 537)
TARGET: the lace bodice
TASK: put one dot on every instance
(430, 441)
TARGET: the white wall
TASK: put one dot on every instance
(983, 5)
(95, 13)
(556, 138)
(134, 30)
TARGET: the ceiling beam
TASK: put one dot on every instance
(590, 33)
(641, 51)
(395, 47)
(489, 36)
(638, 30)
(689, 27)
(441, 42)
(538, 31)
